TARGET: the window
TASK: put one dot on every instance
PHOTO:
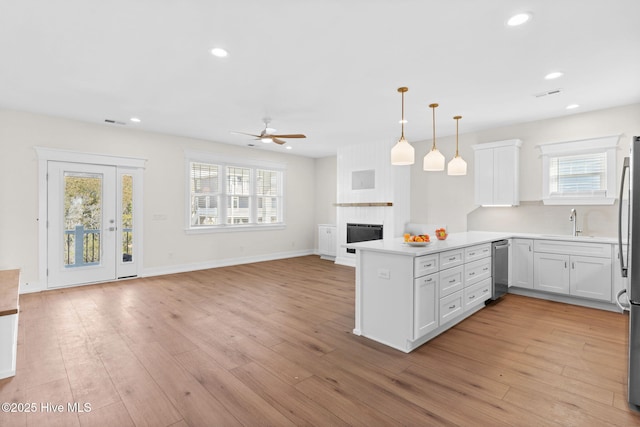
(232, 193)
(579, 172)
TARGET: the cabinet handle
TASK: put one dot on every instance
(472, 297)
(485, 291)
(472, 253)
(452, 307)
(429, 279)
(529, 248)
(573, 265)
(452, 259)
(485, 269)
(565, 264)
(452, 281)
(473, 273)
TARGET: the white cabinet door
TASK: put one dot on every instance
(551, 272)
(425, 305)
(497, 171)
(591, 277)
(522, 274)
(484, 177)
(327, 240)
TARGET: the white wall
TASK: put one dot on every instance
(167, 248)
(439, 198)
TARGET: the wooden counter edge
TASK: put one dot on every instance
(9, 292)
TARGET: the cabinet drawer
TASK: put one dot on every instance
(476, 271)
(450, 307)
(601, 250)
(424, 265)
(451, 280)
(476, 252)
(476, 294)
(451, 258)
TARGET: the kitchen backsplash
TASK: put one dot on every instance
(534, 217)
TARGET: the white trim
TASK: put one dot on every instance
(45, 155)
(579, 146)
(605, 144)
(184, 268)
(497, 144)
(223, 162)
(52, 154)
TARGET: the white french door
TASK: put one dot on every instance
(90, 223)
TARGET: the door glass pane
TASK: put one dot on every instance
(82, 219)
(127, 218)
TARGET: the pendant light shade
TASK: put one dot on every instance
(434, 160)
(402, 153)
(457, 165)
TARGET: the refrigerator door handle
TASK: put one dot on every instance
(623, 269)
(624, 307)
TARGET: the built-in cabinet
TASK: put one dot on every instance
(522, 263)
(579, 269)
(497, 171)
(327, 241)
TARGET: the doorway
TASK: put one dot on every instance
(93, 227)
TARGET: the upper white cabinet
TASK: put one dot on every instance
(497, 171)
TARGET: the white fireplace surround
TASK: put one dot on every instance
(391, 191)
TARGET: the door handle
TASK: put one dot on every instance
(112, 229)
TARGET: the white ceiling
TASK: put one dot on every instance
(326, 68)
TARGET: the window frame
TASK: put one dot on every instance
(223, 162)
(606, 145)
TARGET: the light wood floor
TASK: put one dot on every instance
(271, 344)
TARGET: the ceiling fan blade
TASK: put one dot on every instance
(244, 133)
(295, 135)
(278, 141)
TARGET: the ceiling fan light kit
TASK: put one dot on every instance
(268, 136)
(402, 153)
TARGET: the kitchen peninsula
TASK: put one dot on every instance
(406, 295)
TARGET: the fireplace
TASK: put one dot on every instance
(363, 233)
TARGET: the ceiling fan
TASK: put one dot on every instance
(267, 134)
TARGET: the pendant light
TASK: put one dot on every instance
(402, 153)
(434, 160)
(457, 165)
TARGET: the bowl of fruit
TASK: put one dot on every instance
(441, 234)
(417, 240)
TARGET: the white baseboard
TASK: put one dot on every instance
(173, 269)
(349, 262)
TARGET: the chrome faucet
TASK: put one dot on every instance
(574, 219)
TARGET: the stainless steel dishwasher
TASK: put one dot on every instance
(499, 268)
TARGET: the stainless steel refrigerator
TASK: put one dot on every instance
(629, 249)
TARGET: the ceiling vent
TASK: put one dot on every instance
(114, 122)
(550, 92)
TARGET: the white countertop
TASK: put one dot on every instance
(456, 240)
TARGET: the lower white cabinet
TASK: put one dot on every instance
(476, 295)
(450, 307)
(591, 277)
(327, 240)
(425, 310)
(551, 272)
(576, 275)
(522, 263)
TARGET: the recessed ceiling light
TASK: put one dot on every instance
(572, 106)
(219, 52)
(288, 147)
(135, 120)
(553, 75)
(519, 19)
